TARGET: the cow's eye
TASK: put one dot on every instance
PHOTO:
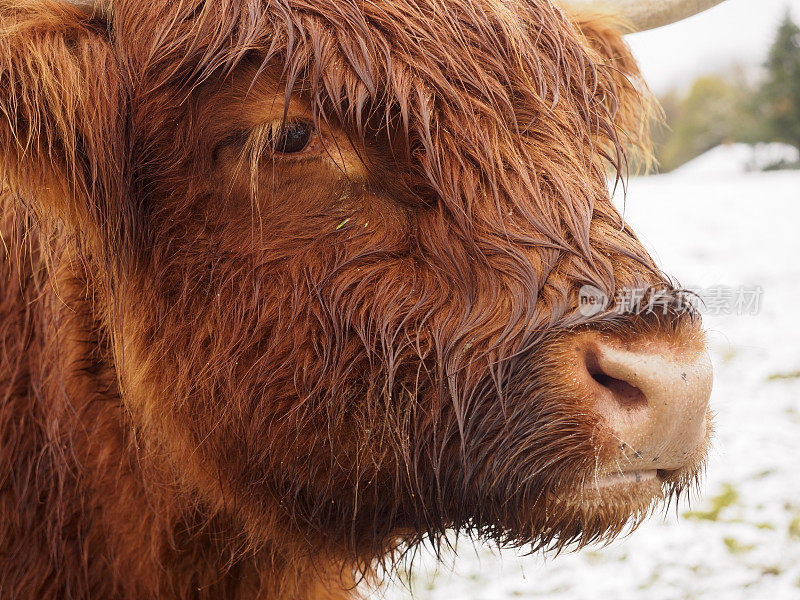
(291, 137)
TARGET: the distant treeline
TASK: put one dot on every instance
(732, 107)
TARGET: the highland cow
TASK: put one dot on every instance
(292, 286)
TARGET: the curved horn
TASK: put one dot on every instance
(642, 15)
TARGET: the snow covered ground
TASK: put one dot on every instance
(731, 159)
(741, 538)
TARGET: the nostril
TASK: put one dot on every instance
(624, 393)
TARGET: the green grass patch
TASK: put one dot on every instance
(734, 546)
(727, 497)
(794, 528)
(782, 376)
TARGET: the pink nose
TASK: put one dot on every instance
(654, 400)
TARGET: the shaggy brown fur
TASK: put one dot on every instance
(228, 373)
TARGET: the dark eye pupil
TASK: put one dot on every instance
(293, 137)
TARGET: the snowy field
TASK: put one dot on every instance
(741, 538)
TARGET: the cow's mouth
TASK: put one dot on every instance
(645, 485)
(628, 477)
(602, 505)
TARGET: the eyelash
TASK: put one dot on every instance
(290, 137)
(270, 137)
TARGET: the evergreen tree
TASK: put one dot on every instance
(782, 87)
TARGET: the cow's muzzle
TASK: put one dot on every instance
(652, 402)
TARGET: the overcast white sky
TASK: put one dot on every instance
(734, 31)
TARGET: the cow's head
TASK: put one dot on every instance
(339, 249)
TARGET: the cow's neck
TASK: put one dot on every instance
(85, 510)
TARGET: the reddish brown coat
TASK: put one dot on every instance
(225, 375)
